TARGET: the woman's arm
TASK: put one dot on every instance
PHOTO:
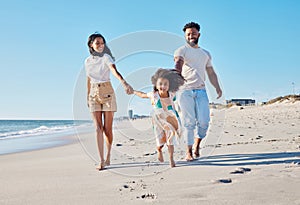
(140, 94)
(88, 86)
(115, 72)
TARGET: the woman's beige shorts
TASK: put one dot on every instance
(94, 105)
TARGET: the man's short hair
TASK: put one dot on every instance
(191, 25)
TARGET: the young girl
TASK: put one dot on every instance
(164, 116)
(100, 93)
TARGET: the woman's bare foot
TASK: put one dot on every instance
(172, 163)
(101, 166)
(160, 156)
(107, 162)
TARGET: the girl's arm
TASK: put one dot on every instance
(140, 94)
(115, 72)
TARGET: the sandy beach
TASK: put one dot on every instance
(251, 156)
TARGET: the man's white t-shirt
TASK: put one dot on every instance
(97, 68)
(193, 70)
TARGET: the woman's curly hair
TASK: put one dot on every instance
(175, 79)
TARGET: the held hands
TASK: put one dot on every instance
(127, 87)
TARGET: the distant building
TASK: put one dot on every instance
(215, 105)
(130, 114)
(241, 101)
(140, 116)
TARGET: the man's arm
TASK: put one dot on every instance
(178, 63)
(214, 80)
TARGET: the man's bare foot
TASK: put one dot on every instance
(189, 157)
(197, 147)
(196, 153)
(172, 163)
(160, 156)
(189, 154)
(101, 166)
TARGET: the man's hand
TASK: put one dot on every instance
(219, 92)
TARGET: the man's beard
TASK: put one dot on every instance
(193, 43)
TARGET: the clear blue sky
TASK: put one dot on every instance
(255, 46)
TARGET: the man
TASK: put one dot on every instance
(192, 62)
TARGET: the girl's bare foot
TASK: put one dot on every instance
(101, 166)
(160, 156)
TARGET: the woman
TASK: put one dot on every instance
(100, 94)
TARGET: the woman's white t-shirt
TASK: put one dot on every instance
(97, 68)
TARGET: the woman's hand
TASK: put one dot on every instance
(127, 87)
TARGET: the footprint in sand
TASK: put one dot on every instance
(259, 137)
(241, 170)
(147, 196)
(224, 181)
(293, 165)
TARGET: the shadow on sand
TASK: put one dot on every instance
(245, 159)
(225, 160)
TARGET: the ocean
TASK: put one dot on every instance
(25, 135)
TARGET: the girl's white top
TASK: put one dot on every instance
(97, 68)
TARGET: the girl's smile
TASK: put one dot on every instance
(162, 85)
